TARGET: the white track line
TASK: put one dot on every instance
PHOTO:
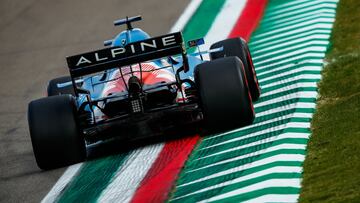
(318, 39)
(308, 6)
(286, 54)
(281, 59)
(290, 72)
(286, 108)
(299, 11)
(293, 79)
(279, 198)
(262, 151)
(296, 95)
(302, 57)
(279, 118)
(124, 184)
(289, 88)
(292, 22)
(73, 170)
(285, 48)
(290, 38)
(297, 26)
(291, 182)
(224, 22)
(120, 189)
(287, 4)
(268, 130)
(320, 13)
(186, 16)
(272, 159)
(287, 66)
(55, 191)
(293, 32)
(265, 113)
(277, 169)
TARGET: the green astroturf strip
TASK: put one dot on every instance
(92, 179)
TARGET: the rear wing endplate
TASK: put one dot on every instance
(137, 52)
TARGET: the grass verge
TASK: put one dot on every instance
(332, 165)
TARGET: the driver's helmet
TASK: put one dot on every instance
(134, 35)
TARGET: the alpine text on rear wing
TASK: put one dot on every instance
(137, 52)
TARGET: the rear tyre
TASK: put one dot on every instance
(238, 47)
(54, 132)
(224, 95)
(53, 89)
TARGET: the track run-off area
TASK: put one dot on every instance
(257, 163)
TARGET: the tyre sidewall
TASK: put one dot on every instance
(54, 132)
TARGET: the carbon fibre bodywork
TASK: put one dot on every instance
(166, 97)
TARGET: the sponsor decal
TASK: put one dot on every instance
(117, 53)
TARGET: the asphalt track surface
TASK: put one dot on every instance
(35, 38)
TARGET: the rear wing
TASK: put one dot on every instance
(137, 52)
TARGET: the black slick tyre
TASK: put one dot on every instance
(53, 89)
(224, 95)
(238, 47)
(54, 132)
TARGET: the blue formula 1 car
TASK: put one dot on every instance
(138, 87)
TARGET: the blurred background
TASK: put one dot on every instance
(35, 38)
